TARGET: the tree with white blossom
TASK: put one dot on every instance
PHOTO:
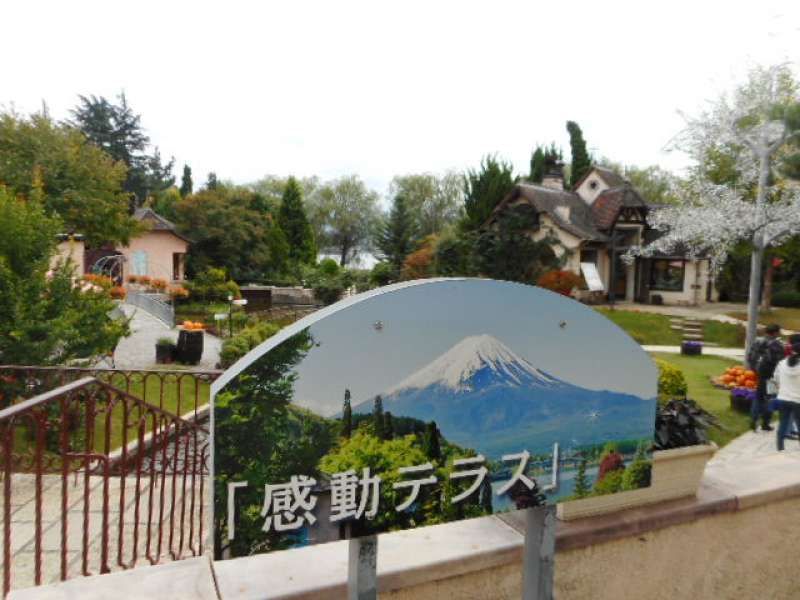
(754, 128)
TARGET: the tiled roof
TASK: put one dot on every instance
(547, 200)
(608, 203)
(156, 221)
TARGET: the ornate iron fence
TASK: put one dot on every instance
(95, 477)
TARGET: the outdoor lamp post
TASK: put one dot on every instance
(231, 302)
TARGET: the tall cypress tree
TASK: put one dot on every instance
(347, 416)
(187, 187)
(397, 235)
(431, 444)
(581, 163)
(294, 223)
(377, 418)
(211, 182)
(537, 165)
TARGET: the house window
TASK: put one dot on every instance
(593, 184)
(177, 266)
(139, 262)
(589, 256)
(667, 275)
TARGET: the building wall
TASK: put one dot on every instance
(585, 190)
(70, 249)
(570, 245)
(158, 247)
(695, 273)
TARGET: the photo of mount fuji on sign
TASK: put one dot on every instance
(482, 394)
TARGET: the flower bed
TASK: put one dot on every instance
(691, 348)
(742, 398)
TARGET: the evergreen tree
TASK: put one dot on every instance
(582, 487)
(377, 418)
(388, 426)
(431, 444)
(186, 181)
(347, 416)
(581, 163)
(484, 189)
(211, 181)
(397, 235)
(537, 165)
(486, 496)
(294, 223)
(118, 131)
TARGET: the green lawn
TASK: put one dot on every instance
(169, 395)
(652, 329)
(646, 328)
(787, 318)
(697, 370)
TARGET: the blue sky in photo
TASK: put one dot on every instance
(422, 322)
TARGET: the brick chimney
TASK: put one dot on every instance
(554, 176)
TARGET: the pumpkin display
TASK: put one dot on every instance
(737, 376)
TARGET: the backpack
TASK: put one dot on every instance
(757, 354)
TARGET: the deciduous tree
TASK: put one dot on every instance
(78, 181)
(344, 213)
(712, 217)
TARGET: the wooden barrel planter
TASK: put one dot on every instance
(190, 346)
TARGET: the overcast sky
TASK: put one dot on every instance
(384, 88)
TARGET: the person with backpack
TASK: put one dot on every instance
(787, 375)
(763, 357)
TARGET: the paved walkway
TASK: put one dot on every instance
(138, 350)
(733, 353)
(715, 311)
(752, 443)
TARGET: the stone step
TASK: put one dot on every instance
(693, 323)
(676, 327)
(692, 337)
(691, 328)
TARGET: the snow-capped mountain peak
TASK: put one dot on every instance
(455, 368)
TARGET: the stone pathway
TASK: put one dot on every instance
(711, 311)
(137, 351)
(732, 353)
(750, 444)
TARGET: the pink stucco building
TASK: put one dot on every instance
(159, 252)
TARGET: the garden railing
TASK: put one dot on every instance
(154, 305)
(95, 477)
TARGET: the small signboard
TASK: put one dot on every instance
(592, 277)
(423, 403)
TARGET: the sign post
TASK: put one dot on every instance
(427, 402)
(538, 556)
(362, 568)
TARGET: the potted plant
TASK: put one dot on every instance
(165, 351)
(691, 348)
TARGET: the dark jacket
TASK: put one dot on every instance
(770, 353)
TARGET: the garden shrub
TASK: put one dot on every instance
(671, 381)
(638, 473)
(248, 338)
(786, 299)
(561, 282)
(611, 483)
(328, 267)
(382, 273)
(212, 285)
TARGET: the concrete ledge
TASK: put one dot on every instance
(190, 579)
(405, 559)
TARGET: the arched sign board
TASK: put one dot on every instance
(422, 403)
